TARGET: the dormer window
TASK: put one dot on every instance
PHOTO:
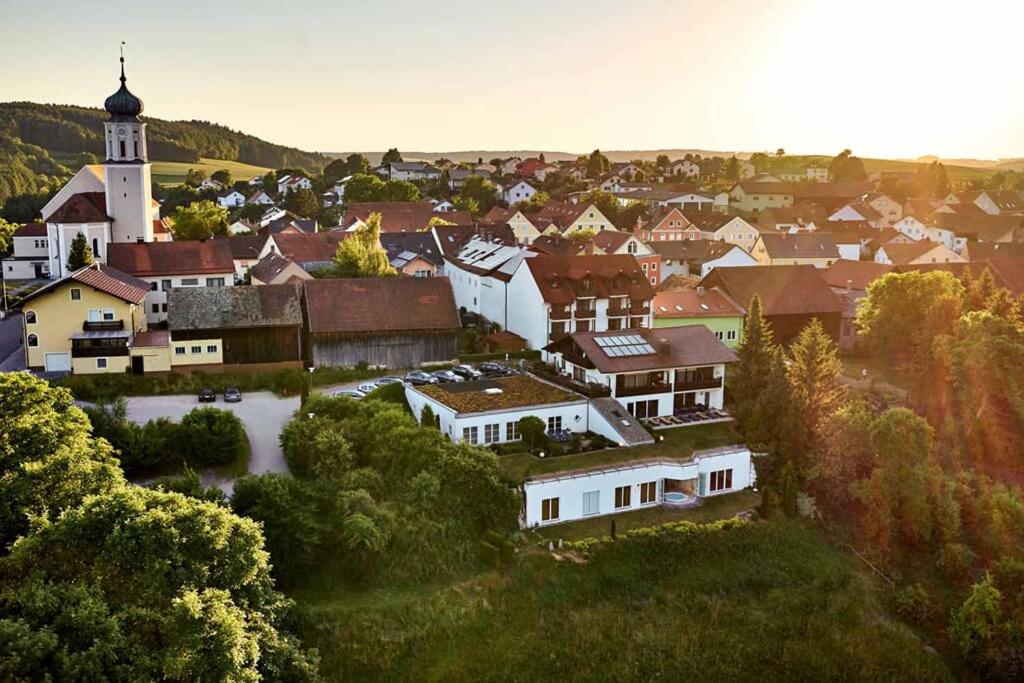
(586, 284)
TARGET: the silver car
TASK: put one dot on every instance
(348, 393)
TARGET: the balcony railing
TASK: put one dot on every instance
(98, 351)
(560, 313)
(590, 390)
(618, 311)
(698, 383)
(585, 313)
(639, 309)
(102, 325)
(643, 390)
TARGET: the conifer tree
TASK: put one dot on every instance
(361, 254)
(80, 255)
(814, 377)
(751, 372)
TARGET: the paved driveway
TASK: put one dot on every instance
(12, 357)
(262, 413)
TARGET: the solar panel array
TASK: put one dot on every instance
(624, 345)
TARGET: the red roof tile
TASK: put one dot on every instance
(401, 216)
(857, 274)
(309, 247)
(192, 257)
(784, 290)
(561, 279)
(84, 207)
(31, 230)
(381, 305)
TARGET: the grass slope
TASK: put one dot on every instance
(760, 601)
(173, 172)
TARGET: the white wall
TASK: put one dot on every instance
(570, 489)
(849, 252)
(158, 297)
(735, 257)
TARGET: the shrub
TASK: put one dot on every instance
(490, 555)
(532, 431)
(154, 443)
(389, 393)
(210, 436)
(913, 604)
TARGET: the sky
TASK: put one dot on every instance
(889, 78)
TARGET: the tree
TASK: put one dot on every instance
(194, 177)
(7, 231)
(532, 431)
(80, 254)
(223, 176)
(932, 180)
(662, 161)
(597, 164)
(731, 170)
(200, 220)
(983, 633)
(399, 191)
(478, 190)
(843, 455)
(751, 372)
(302, 202)
(363, 188)
(391, 156)
(535, 203)
(846, 167)
(210, 436)
(814, 375)
(427, 418)
(361, 255)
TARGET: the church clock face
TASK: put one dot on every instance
(122, 130)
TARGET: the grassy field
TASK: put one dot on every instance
(173, 172)
(677, 443)
(711, 510)
(758, 601)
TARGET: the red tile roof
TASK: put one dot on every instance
(113, 282)
(84, 207)
(693, 303)
(31, 230)
(784, 290)
(561, 279)
(674, 347)
(381, 305)
(903, 254)
(189, 257)
(309, 247)
(857, 274)
(401, 216)
(800, 245)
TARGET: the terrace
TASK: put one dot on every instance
(505, 393)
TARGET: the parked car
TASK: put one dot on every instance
(348, 393)
(232, 395)
(383, 381)
(418, 378)
(445, 376)
(207, 396)
(367, 387)
(467, 372)
(490, 369)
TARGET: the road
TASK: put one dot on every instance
(11, 354)
(262, 413)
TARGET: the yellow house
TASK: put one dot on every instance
(753, 197)
(85, 323)
(806, 248)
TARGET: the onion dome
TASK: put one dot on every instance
(123, 105)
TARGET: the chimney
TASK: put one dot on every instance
(700, 290)
(849, 286)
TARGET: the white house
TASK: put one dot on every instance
(211, 184)
(30, 254)
(261, 198)
(412, 170)
(479, 273)
(697, 258)
(650, 372)
(231, 200)
(518, 191)
(289, 183)
(685, 168)
(608, 489)
(442, 206)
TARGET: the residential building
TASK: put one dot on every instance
(414, 254)
(920, 252)
(290, 183)
(167, 265)
(245, 252)
(991, 202)
(571, 218)
(260, 198)
(816, 174)
(849, 281)
(479, 269)
(30, 257)
(560, 295)
(697, 258)
(391, 322)
(275, 269)
(517, 191)
(668, 224)
(231, 199)
(523, 228)
(411, 170)
(312, 252)
(684, 168)
(623, 244)
(811, 248)
(753, 197)
(398, 216)
(791, 296)
(723, 228)
(84, 322)
(688, 200)
(711, 308)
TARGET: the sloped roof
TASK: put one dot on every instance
(557, 245)
(31, 230)
(902, 254)
(674, 347)
(380, 305)
(857, 274)
(801, 245)
(453, 237)
(694, 251)
(187, 257)
(400, 216)
(420, 243)
(246, 247)
(560, 278)
(273, 265)
(84, 207)
(102, 278)
(695, 303)
(784, 290)
(212, 308)
(309, 247)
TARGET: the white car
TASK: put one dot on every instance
(367, 387)
(348, 393)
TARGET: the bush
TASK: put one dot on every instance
(913, 604)
(152, 444)
(490, 555)
(210, 436)
(389, 393)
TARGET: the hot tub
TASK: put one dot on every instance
(677, 499)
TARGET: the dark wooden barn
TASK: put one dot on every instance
(393, 322)
(255, 324)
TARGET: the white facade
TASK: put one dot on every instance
(60, 236)
(686, 169)
(522, 191)
(592, 494)
(732, 258)
(232, 200)
(849, 252)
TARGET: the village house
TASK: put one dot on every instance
(290, 183)
(245, 252)
(791, 296)
(414, 254)
(480, 269)
(849, 281)
(668, 224)
(711, 308)
(392, 322)
(991, 202)
(567, 219)
(30, 253)
(275, 269)
(523, 228)
(168, 265)
(398, 216)
(312, 252)
(920, 252)
(697, 258)
(687, 200)
(684, 168)
(517, 191)
(732, 229)
(559, 295)
(260, 198)
(410, 171)
(811, 248)
(752, 197)
(231, 199)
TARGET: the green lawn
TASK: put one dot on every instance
(761, 601)
(676, 443)
(711, 509)
(173, 172)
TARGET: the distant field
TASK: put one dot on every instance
(173, 172)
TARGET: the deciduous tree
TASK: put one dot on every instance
(361, 255)
(200, 220)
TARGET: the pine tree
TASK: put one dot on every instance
(750, 376)
(981, 290)
(361, 255)
(814, 376)
(80, 255)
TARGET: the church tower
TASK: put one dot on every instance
(129, 182)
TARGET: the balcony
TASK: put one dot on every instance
(639, 309)
(560, 313)
(585, 313)
(617, 311)
(590, 390)
(643, 390)
(98, 351)
(698, 384)
(102, 325)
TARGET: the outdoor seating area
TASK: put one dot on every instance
(689, 415)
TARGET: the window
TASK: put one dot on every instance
(214, 282)
(197, 349)
(470, 434)
(719, 335)
(165, 285)
(101, 363)
(33, 340)
(512, 431)
(492, 433)
(731, 335)
(554, 423)
(76, 294)
(189, 281)
(648, 492)
(30, 317)
(179, 350)
(622, 496)
(163, 308)
(591, 502)
(721, 480)
(108, 314)
(156, 308)
(549, 509)
(153, 286)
